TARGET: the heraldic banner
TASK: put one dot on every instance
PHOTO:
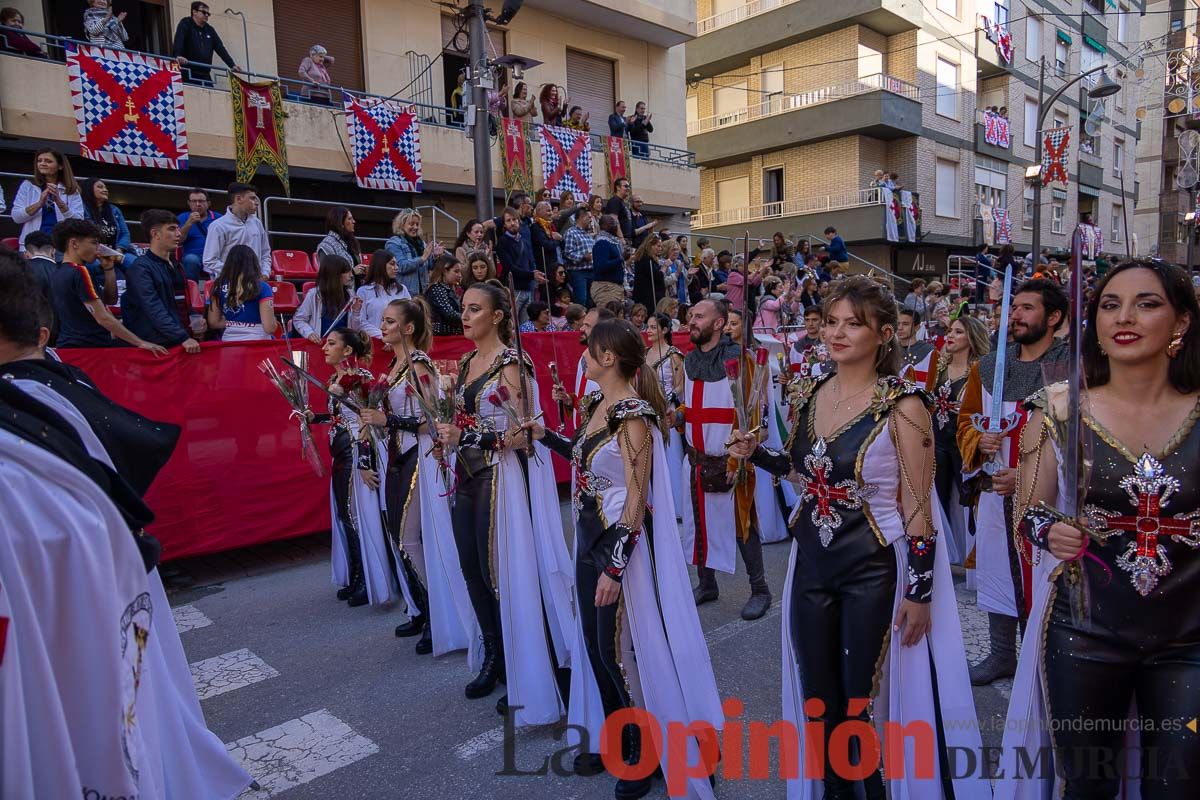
(128, 107)
(566, 161)
(258, 129)
(616, 151)
(1056, 145)
(385, 141)
(516, 161)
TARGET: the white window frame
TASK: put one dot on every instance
(943, 95)
(948, 7)
(1118, 157)
(1033, 37)
(1116, 231)
(942, 209)
(1122, 23)
(1061, 67)
(1031, 132)
(1058, 211)
(1027, 209)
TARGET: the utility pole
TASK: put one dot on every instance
(481, 78)
(1036, 247)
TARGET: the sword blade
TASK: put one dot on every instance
(1072, 468)
(320, 384)
(997, 410)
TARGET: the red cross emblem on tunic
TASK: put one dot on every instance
(816, 486)
(698, 416)
(1149, 489)
(944, 405)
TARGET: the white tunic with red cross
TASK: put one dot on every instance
(583, 387)
(919, 372)
(709, 529)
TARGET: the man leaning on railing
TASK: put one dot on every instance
(195, 43)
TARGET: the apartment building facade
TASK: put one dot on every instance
(789, 130)
(597, 52)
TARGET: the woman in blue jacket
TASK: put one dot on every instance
(414, 258)
(113, 230)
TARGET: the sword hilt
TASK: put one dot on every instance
(1003, 425)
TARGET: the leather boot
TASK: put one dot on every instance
(357, 596)
(587, 765)
(837, 787)
(1002, 661)
(489, 673)
(706, 590)
(418, 623)
(425, 643)
(873, 786)
(760, 595)
(343, 593)
(756, 606)
(631, 752)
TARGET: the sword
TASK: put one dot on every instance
(1072, 468)
(995, 421)
(562, 407)
(526, 399)
(320, 384)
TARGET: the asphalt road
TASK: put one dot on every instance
(322, 701)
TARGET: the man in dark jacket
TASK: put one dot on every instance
(618, 206)
(148, 306)
(608, 264)
(546, 240)
(513, 252)
(195, 43)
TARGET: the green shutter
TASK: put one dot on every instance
(1092, 43)
(1064, 38)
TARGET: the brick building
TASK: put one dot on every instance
(789, 130)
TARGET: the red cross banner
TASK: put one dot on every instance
(128, 107)
(385, 141)
(566, 161)
(516, 163)
(616, 149)
(258, 129)
(1056, 144)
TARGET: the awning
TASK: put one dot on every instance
(1092, 43)
(1089, 191)
(1064, 38)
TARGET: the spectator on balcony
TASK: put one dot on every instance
(522, 106)
(194, 45)
(341, 241)
(13, 42)
(194, 229)
(617, 124)
(640, 128)
(497, 101)
(649, 283)
(414, 258)
(637, 219)
(83, 316)
(838, 254)
(241, 303)
(326, 305)
(114, 231)
(102, 26)
(577, 256)
(577, 119)
(456, 100)
(546, 240)
(878, 178)
(49, 196)
(152, 282)
(480, 269)
(442, 294)
(608, 264)
(618, 206)
(239, 225)
(382, 287)
(552, 104)
(315, 66)
(472, 239)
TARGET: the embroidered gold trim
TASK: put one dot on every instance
(1171, 446)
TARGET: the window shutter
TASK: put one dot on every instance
(339, 31)
(590, 85)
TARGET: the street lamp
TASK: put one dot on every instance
(1105, 87)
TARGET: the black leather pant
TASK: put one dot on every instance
(1092, 676)
(398, 488)
(472, 517)
(600, 634)
(342, 472)
(840, 625)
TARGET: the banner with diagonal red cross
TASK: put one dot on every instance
(566, 161)
(1056, 144)
(128, 107)
(385, 142)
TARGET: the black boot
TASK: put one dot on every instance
(1002, 661)
(425, 644)
(343, 593)
(706, 590)
(631, 752)
(416, 626)
(490, 672)
(357, 595)
(502, 706)
(873, 786)
(760, 595)
(587, 765)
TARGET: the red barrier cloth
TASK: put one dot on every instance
(237, 477)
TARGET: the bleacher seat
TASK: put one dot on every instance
(292, 265)
(286, 300)
(11, 242)
(307, 285)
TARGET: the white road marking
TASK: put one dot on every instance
(189, 618)
(478, 745)
(224, 673)
(298, 751)
(731, 629)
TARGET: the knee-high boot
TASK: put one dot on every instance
(1002, 661)
(357, 595)
(492, 670)
(760, 595)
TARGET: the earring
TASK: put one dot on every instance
(1176, 345)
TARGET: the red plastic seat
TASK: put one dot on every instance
(292, 265)
(286, 300)
(11, 242)
(307, 285)
(194, 300)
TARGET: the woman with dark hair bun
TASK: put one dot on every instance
(506, 521)
(359, 558)
(633, 591)
(869, 603)
(1113, 642)
(340, 240)
(667, 362)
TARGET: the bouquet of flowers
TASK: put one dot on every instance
(762, 380)
(501, 398)
(295, 391)
(437, 407)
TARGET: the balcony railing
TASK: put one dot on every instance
(304, 92)
(782, 104)
(790, 208)
(733, 16)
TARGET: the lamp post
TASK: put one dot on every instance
(1105, 87)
